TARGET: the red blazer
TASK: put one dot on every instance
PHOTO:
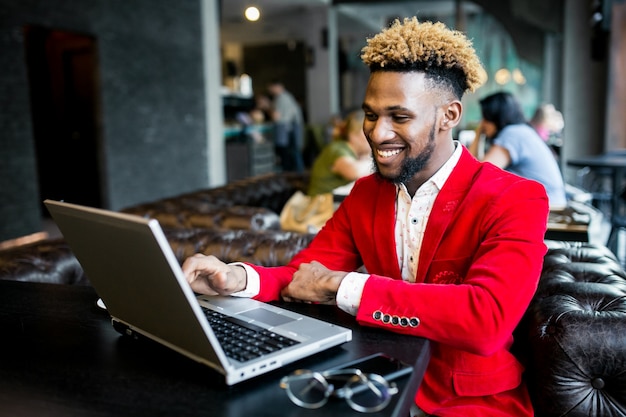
(479, 266)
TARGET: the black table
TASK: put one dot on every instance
(60, 356)
(570, 223)
(612, 162)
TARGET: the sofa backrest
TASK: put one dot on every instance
(267, 192)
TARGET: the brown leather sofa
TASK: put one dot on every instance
(572, 339)
(53, 262)
(252, 203)
(238, 221)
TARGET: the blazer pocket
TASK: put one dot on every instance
(505, 378)
(448, 271)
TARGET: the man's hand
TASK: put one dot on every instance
(208, 275)
(313, 282)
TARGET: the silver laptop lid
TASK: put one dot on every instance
(125, 258)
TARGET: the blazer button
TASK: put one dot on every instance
(414, 322)
(404, 321)
(377, 315)
(395, 320)
(386, 318)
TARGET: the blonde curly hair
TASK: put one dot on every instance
(446, 56)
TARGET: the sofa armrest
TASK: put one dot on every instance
(49, 261)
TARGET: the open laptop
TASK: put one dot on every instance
(133, 269)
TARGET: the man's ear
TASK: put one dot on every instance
(451, 115)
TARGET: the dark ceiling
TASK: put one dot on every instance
(528, 21)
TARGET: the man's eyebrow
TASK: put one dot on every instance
(396, 108)
(365, 107)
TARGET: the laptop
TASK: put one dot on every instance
(132, 267)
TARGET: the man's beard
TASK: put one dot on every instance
(411, 166)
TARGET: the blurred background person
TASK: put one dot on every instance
(343, 160)
(506, 139)
(262, 111)
(548, 122)
(289, 127)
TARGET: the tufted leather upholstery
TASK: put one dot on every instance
(575, 333)
(266, 248)
(53, 261)
(50, 261)
(238, 221)
(172, 215)
(252, 203)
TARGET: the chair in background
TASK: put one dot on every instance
(617, 238)
(598, 183)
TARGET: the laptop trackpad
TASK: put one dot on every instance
(263, 315)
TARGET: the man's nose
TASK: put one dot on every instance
(381, 130)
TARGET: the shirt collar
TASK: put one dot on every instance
(441, 176)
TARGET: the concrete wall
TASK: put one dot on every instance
(584, 89)
(152, 98)
(616, 122)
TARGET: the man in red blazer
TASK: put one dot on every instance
(453, 247)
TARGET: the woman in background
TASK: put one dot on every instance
(346, 158)
(548, 122)
(512, 144)
(343, 160)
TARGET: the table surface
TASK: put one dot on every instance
(568, 218)
(60, 356)
(606, 160)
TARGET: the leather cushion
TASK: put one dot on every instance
(574, 333)
(50, 261)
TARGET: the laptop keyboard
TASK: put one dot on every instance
(244, 341)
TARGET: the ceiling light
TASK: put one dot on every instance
(518, 76)
(252, 13)
(502, 76)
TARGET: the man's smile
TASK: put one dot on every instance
(388, 153)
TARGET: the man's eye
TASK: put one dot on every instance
(400, 118)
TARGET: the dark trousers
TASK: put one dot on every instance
(288, 147)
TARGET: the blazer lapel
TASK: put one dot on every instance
(445, 207)
(384, 232)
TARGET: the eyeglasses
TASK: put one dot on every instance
(366, 393)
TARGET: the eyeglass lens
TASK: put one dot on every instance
(368, 395)
(310, 390)
(363, 393)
